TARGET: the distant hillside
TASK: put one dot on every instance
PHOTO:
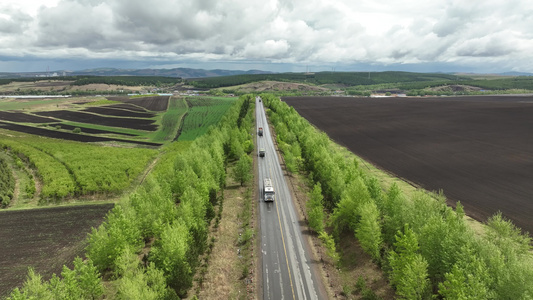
(177, 72)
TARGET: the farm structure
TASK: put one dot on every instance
(477, 150)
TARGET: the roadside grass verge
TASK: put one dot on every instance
(227, 269)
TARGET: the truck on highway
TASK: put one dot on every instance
(268, 190)
(260, 131)
(262, 152)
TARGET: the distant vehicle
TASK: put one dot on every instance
(259, 99)
(260, 132)
(262, 152)
(268, 190)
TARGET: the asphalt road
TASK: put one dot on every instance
(287, 271)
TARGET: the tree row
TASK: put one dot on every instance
(424, 246)
(150, 243)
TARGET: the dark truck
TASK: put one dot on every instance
(260, 132)
(262, 152)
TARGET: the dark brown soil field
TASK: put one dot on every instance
(23, 117)
(45, 239)
(155, 103)
(127, 106)
(104, 110)
(478, 150)
(67, 135)
(75, 116)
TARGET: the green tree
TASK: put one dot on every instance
(33, 288)
(408, 268)
(469, 278)
(171, 255)
(136, 282)
(242, 172)
(368, 231)
(315, 210)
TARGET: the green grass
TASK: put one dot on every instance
(205, 111)
(139, 133)
(17, 104)
(101, 102)
(170, 120)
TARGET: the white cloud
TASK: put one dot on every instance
(290, 31)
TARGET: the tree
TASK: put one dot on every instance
(171, 255)
(469, 278)
(136, 282)
(409, 269)
(368, 231)
(243, 170)
(315, 210)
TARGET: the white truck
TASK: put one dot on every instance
(268, 190)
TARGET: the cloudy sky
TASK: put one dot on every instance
(275, 35)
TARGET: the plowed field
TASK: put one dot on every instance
(75, 116)
(67, 135)
(478, 150)
(23, 117)
(105, 110)
(154, 103)
(44, 239)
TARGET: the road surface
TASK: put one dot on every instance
(286, 267)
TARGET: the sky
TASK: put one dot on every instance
(479, 36)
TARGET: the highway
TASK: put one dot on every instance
(286, 266)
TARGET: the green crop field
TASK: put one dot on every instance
(170, 120)
(69, 168)
(203, 112)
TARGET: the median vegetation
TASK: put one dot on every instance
(424, 246)
(150, 244)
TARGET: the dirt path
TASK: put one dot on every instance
(223, 278)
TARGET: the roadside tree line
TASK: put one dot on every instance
(150, 243)
(426, 248)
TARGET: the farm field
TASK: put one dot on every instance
(203, 112)
(75, 116)
(118, 119)
(44, 239)
(478, 150)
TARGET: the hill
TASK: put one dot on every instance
(175, 72)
